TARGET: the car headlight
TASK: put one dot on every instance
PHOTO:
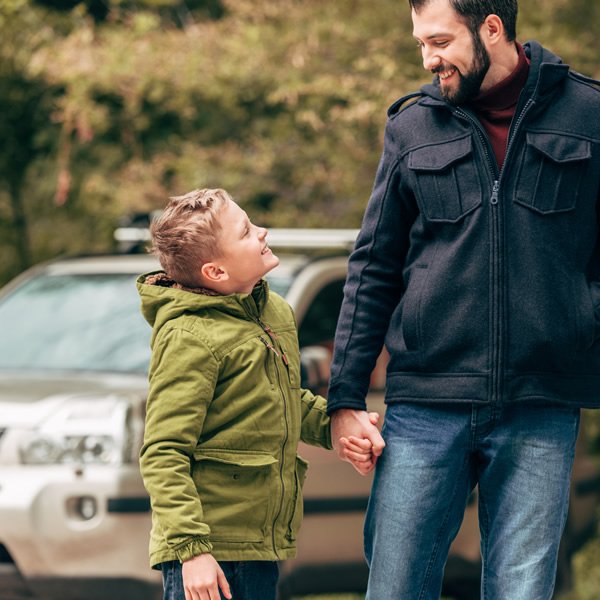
(85, 431)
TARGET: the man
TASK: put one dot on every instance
(478, 265)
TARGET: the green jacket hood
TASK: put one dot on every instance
(163, 300)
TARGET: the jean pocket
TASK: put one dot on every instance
(446, 179)
(550, 173)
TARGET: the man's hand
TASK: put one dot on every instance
(356, 438)
(202, 578)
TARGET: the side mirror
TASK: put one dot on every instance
(315, 368)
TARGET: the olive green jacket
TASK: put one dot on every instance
(225, 413)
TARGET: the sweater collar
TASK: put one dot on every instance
(505, 94)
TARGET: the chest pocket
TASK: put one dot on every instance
(551, 170)
(447, 183)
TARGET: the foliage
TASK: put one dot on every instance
(282, 103)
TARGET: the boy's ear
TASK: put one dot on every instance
(213, 273)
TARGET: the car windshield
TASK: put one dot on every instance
(75, 322)
(79, 323)
(279, 283)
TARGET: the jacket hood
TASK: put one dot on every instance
(546, 71)
(163, 300)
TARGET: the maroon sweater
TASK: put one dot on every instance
(496, 107)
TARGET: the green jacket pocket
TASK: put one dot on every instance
(233, 486)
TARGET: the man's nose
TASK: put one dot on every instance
(431, 60)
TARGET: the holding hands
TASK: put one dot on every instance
(356, 438)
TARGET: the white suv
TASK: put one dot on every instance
(74, 515)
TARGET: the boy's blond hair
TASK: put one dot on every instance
(186, 235)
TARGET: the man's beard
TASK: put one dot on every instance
(470, 84)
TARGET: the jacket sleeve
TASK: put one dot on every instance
(315, 422)
(374, 283)
(183, 375)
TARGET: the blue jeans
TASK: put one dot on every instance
(520, 456)
(248, 580)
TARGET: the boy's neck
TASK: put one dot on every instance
(222, 289)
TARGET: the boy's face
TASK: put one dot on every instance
(245, 254)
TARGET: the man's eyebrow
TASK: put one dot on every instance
(432, 36)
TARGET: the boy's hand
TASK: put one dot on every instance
(202, 578)
(360, 452)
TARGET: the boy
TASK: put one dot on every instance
(225, 410)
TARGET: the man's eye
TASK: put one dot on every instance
(441, 44)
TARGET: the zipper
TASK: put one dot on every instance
(273, 337)
(498, 307)
(270, 344)
(281, 464)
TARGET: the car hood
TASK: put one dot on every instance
(32, 397)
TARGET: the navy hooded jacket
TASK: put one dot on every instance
(484, 285)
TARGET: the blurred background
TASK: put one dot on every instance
(107, 107)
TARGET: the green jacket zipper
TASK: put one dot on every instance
(278, 355)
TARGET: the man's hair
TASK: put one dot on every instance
(186, 235)
(474, 13)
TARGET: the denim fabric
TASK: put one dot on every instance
(248, 580)
(521, 457)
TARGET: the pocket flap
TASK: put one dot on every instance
(240, 458)
(438, 157)
(560, 148)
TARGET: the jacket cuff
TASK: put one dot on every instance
(344, 395)
(195, 547)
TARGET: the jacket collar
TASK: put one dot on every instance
(162, 302)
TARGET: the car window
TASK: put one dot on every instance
(74, 322)
(279, 284)
(319, 323)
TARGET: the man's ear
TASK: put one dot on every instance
(492, 29)
(213, 273)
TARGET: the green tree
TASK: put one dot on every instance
(25, 105)
(283, 103)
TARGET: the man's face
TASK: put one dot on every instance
(450, 50)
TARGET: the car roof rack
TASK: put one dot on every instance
(299, 238)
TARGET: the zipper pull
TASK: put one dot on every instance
(269, 345)
(495, 189)
(269, 331)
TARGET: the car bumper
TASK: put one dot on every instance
(85, 525)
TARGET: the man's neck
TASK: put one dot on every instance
(495, 107)
(504, 61)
